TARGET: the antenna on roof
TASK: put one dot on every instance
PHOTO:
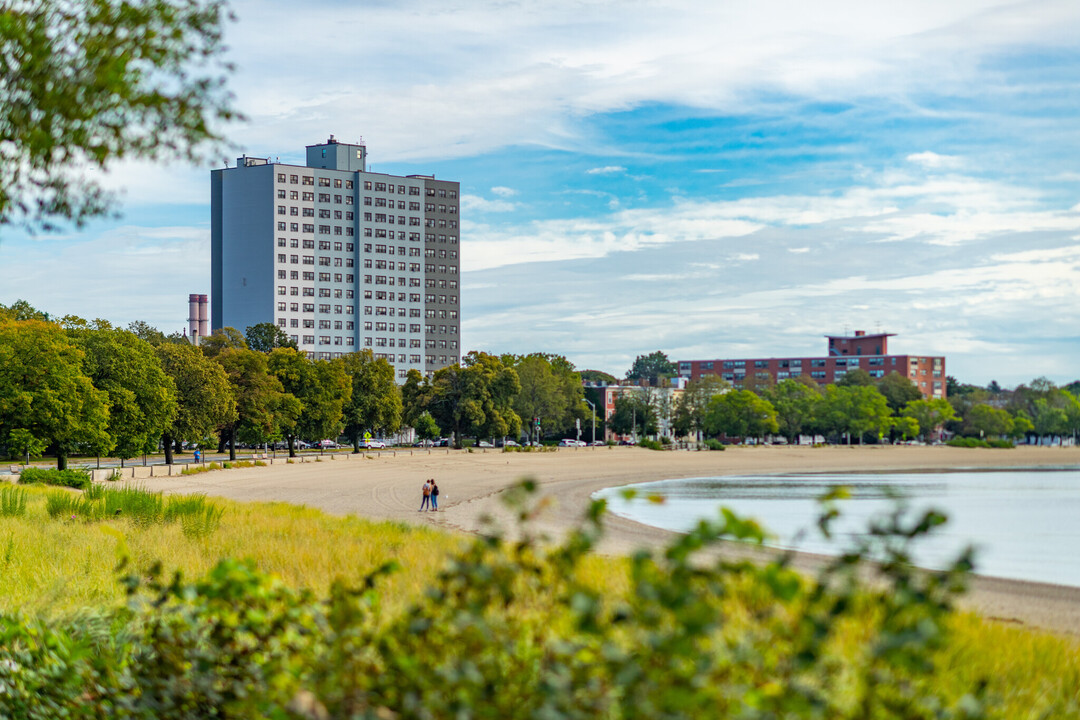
(847, 329)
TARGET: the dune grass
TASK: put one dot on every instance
(58, 566)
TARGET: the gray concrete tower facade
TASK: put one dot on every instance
(339, 258)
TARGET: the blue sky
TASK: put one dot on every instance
(708, 179)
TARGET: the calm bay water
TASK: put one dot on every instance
(1024, 524)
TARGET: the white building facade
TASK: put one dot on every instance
(339, 258)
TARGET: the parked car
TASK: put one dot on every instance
(327, 445)
(441, 442)
(570, 442)
(510, 443)
(484, 444)
(300, 445)
(597, 443)
(372, 444)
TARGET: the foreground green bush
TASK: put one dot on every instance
(78, 479)
(510, 629)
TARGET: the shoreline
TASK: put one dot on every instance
(387, 487)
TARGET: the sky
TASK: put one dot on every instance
(709, 179)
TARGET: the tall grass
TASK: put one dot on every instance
(12, 502)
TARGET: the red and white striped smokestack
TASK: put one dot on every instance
(204, 316)
(193, 316)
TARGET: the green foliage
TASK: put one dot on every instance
(262, 405)
(929, 414)
(21, 444)
(142, 397)
(714, 444)
(598, 376)
(89, 83)
(856, 378)
(426, 427)
(797, 403)
(973, 442)
(515, 628)
(136, 505)
(475, 398)
(740, 413)
(690, 409)
(376, 402)
(227, 338)
(12, 502)
(650, 444)
(898, 391)
(205, 399)
(856, 410)
(550, 390)
(634, 414)
(264, 337)
(652, 366)
(322, 389)
(44, 390)
(78, 479)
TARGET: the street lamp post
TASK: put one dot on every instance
(591, 405)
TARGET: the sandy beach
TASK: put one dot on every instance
(387, 486)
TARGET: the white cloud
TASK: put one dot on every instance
(503, 191)
(606, 170)
(479, 204)
(934, 161)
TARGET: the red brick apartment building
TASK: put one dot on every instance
(846, 352)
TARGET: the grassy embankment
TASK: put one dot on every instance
(52, 567)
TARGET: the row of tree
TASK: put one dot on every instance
(857, 408)
(89, 388)
(78, 387)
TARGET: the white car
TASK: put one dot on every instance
(569, 442)
(372, 444)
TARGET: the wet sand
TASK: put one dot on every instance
(387, 486)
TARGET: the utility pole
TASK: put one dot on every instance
(591, 405)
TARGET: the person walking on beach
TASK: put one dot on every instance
(434, 496)
(427, 496)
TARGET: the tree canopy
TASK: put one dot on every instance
(375, 400)
(86, 83)
(652, 366)
(264, 337)
(204, 398)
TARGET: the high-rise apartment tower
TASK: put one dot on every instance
(339, 258)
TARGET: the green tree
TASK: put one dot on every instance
(691, 406)
(227, 338)
(475, 397)
(262, 405)
(857, 410)
(985, 420)
(142, 397)
(204, 397)
(856, 378)
(797, 404)
(930, 414)
(22, 310)
(905, 427)
(44, 390)
(740, 413)
(375, 400)
(426, 427)
(598, 376)
(415, 394)
(323, 388)
(550, 390)
(651, 367)
(87, 83)
(898, 391)
(22, 444)
(633, 415)
(264, 337)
